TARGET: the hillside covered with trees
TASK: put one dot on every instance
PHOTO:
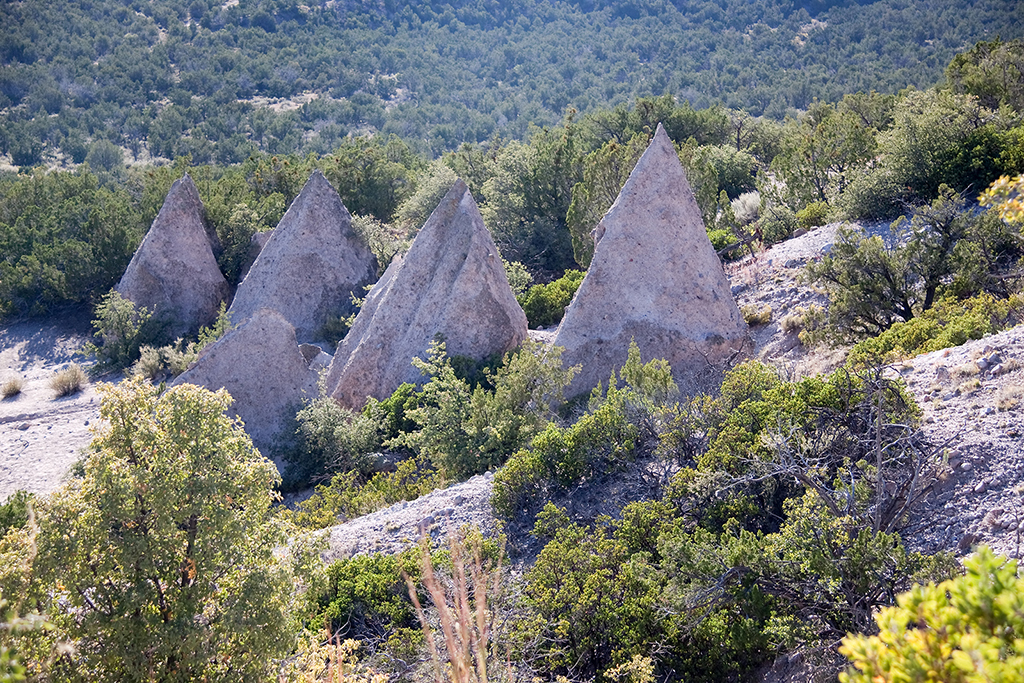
(164, 79)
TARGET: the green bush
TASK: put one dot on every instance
(943, 248)
(948, 323)
(819, 577)
(519, 278)
(937, 137)
(332, 439)
(812, 215)
(164, 550)
(466, 431)
(350, 495)
(366, 595)
(590, 602)
(122, 330)
(721, 238)
(14, 510)
(753, 316)
(963, 630)
(608, 434)
(392, 414)
(758, 418)
(174, 359)
(63, 239)
(778, 222)
(545, 305)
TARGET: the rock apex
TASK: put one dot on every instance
(451, 284)
(311, 265)
(655, 279)
(174, 273)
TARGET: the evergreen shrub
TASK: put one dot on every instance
(545, 305)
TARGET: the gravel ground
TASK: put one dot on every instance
(42, 436)
(400, 526)
(972, 401)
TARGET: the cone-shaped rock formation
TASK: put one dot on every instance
(450, 283)
(311, 265)
(265, 371)
(654, 278)
(173, 272)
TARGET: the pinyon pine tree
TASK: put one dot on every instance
(159, 563)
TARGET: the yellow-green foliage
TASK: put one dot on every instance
(948, 323)
(754, 399)
(347, 496)
(814, 214)
(159, 563)
(545, 304)
(607, 434)
(366, 593)
(755, 316)
(966, 630)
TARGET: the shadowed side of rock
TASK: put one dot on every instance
(655, 279)
(451, 284)
(262, 366)
(174, 273)
(311, 265)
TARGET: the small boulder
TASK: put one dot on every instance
(311, 265)
(174, 273)
(451, 283)
(263, 368)
(655, 279)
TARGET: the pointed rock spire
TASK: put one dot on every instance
(173, 272)
(450, 283)
(311, 265)
(266, 372)
(654, 278)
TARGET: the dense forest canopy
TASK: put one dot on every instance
(163, 79)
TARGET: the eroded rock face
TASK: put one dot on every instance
(655, 279)
(263, 368)
(174, 273)
(451, 283)
(311, 265)
(256, 244)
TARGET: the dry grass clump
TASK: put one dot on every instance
(967, 370)
(326, 658)
(1010, 364)
(970, 386)
(465, 621)
(813, 324)
(12, 387)
(792, 323)
(747, 207)
(755, 316)
(1009, 398)
(68, 381)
